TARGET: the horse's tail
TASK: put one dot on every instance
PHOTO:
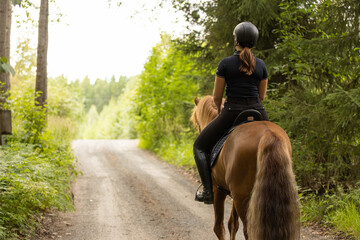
(273, 212)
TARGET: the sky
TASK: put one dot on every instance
(100, 41)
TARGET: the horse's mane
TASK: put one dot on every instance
(204, 112)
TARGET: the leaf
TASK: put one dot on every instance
(4, 60)
(5, 67)
(16, 2)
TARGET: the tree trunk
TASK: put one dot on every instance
(41, 72)
(5, 29)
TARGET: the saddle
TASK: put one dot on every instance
(246, 116)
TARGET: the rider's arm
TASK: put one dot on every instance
(262, 89)
(218, 92)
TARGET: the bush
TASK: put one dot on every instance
(164, 101)
(37, 165)
(32, 180)
(340, 210)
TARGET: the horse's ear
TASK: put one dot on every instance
(196, 100)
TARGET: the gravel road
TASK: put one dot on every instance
(125, 193)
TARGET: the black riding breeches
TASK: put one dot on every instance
(212, 133)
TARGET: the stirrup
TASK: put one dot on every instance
(209, 200)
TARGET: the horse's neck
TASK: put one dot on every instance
(210, 116)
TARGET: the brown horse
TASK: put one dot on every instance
(255, 166)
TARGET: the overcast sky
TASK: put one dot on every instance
(100, 41)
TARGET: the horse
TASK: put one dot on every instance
(255, 169)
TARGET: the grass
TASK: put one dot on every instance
(347, 219)
(340, 211)
(172, 150)
(62, 130)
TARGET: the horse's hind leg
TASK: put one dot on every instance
(241, 209)
(219, 204)
(233, 223)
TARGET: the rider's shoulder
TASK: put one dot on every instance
(259, 61)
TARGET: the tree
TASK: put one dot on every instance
(164, 96)
(312, 52)
(5, 27)
(214, 21)
(41, 72)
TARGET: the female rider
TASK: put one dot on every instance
(245, 77)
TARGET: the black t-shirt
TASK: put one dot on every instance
(238, 84)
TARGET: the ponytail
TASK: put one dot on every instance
(247, 60)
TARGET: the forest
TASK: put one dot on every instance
(312, 52)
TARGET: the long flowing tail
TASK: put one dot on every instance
(273, 212)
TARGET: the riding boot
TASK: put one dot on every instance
(203, 166)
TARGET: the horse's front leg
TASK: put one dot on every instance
(219, 204)
(233, 224)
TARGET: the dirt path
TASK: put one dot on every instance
(126, 193)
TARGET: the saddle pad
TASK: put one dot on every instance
(217, 149)
(220, 144)
(244, 117)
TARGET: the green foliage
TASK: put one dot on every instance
(212, 37)
(339, 210)
(32, 180)
(312, 51)
(117, 118)
(37, 165)
(324, 132)
(164, 98)
(62, 130)
(320, 108)
(125, 110)
(29, 120)
(100, 93)
(16, 2)
(347, 219)
(25, 67)
(36, 168)
(65, 99)
(178, 151)
(5, 66)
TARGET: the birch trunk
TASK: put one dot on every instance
(41, 72)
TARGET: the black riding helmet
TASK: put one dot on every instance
(246, 34)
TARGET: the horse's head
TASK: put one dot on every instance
(204, 112)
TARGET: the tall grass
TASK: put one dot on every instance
(339, 210)
(62, 130)
(177, 152)
(347, 219)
